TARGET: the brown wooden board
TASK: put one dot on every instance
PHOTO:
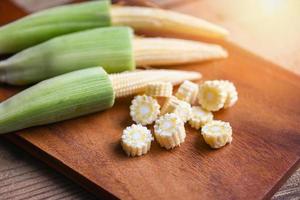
(265, 148)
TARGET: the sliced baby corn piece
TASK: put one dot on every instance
(136, 140)
(167, 51)
(158, 20)
(232, 94)
(212, 95)
(188, 92)
(199, 117)
(159, 89)
(169, 131)
(131, 83)
(180, 108)
(144, 109)
(217, 133)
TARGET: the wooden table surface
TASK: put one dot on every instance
(276, 39)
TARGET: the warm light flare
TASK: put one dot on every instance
(271, 6)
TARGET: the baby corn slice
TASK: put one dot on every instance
(199, 117)
(135, 82)
(75, 94)
(188, 92)
(212, 95)
(144, 109)
(41, 26)
(161, 51)
(159, 20)
(159, 89)
(180, 108)
(232, 94)
(169, 131)
(136, 140)
(217, 133)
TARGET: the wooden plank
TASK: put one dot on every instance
(265, 147)
(22, 177)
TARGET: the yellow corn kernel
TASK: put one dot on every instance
(144, 109)
(159, 89)
(169, 131)
(188, 92)
(217, 133)
(136, 140)
(199, 117)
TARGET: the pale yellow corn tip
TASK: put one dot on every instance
(212, 95)
(217, 133)
(169, 131)
(159, 89)
(199, 117)
(136, 140)
(144, 109)
(188, 92)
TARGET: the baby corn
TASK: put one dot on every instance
(108, 47)
(111, 47)
(44, 25)
(75, 94)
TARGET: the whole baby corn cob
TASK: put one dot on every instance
(41, 26)
(75, 94)
(110, 47)
(63, 97)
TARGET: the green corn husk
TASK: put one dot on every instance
(109, 47)
(60, 98)
(41, 26)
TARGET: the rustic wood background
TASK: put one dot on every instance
(276, 39)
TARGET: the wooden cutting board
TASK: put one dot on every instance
(265, 148)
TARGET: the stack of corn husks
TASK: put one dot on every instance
(68, 51)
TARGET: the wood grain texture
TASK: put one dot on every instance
(8, 92)
(22, 177)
